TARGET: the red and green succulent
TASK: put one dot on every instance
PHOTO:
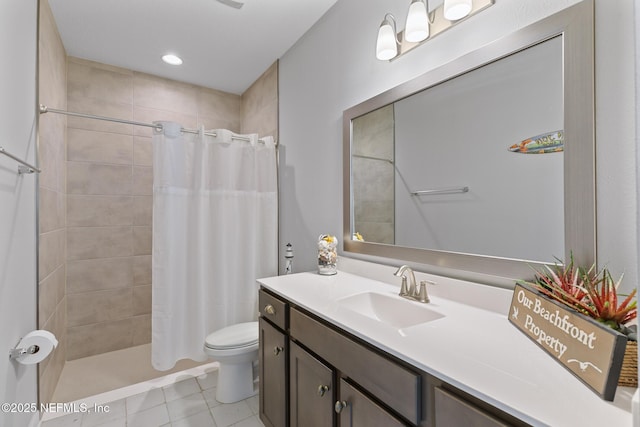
(593, 293)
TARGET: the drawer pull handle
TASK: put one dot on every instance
(340, 405)
(277, 350)
(322, 389)
(269, 309)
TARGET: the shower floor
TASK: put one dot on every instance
(181, 399)
(97, 374)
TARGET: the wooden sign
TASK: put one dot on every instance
(591, 351)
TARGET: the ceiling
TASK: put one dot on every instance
(222, 47)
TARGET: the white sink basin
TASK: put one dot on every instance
(389, 309)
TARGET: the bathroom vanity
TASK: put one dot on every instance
(346, 350)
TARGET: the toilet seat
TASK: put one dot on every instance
(238, 336)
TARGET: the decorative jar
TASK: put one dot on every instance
(327, 254)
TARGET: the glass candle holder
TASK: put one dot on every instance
(327, 255)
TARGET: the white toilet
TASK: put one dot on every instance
(236, 349)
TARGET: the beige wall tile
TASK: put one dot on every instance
(212, 122)
(100, 65)
(49, 370)
(150, 115)
(100, 147)
(142, 181)
(83, 341)
(101, 306)
(99, 211)
(142, 151)
(216, 103)
(142, 270)
(51, 252)
(143, 210)
(262, 92)
(99, 108)
(57, 326)
(163, 94)
(99, 274)
(50, 292)
(98, 179)
(52, 134)
(52, 91)
(264, 122)
(48, 210)
(141, 300)
(87, 81)
(142, 240)
(141, 329)
(99, 242)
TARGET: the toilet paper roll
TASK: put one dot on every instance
(45, 342)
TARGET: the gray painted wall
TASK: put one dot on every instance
(333, 67)
(18, 43)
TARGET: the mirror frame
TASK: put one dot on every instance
(576, 26)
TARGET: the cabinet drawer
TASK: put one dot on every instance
(273, 309)
(358, 410)
(396, 386)
(452, 411)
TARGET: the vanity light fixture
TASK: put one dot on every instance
(172, 59)
(387, 44)
(417, 26)
(457, 9)
(422, 24)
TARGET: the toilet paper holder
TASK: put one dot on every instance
(15, 353)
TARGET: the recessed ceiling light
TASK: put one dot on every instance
(172, 59)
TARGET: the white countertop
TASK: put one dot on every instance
(475, 349)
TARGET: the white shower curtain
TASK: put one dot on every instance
(214, 234)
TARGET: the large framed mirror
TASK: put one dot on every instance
(485, 165)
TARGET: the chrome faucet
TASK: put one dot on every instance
(412, 292)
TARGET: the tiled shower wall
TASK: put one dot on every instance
(260, 105)
(109, 188)
(374, 175)
(95, 192)
(52, 312)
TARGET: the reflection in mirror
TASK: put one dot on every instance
(464, 128)
(412, 161)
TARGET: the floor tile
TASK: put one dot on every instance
(254, 404)
(112, 411)
(201, 419)
(250, 422)
(186, 406)
(181, 389)
(210, 397)
(71, 420)
(209, 380)
(152, 417)
(146, 400)
(231, 413)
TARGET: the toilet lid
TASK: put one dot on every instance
(234, 336)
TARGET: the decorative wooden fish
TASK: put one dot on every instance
(551, 142)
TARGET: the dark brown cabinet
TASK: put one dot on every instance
(273, 375)
(356, 409)
(312, 374)
(311, 390)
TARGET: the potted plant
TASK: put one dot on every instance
(594, 294)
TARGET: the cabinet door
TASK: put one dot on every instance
(311, 385)
(273, 376)
(357, 410)
(452, 411)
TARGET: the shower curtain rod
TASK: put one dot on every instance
(45, 109)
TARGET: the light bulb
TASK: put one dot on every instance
(386, 46)
(456, 9)
(417, 28)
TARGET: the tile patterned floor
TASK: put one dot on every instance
(186, 403)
